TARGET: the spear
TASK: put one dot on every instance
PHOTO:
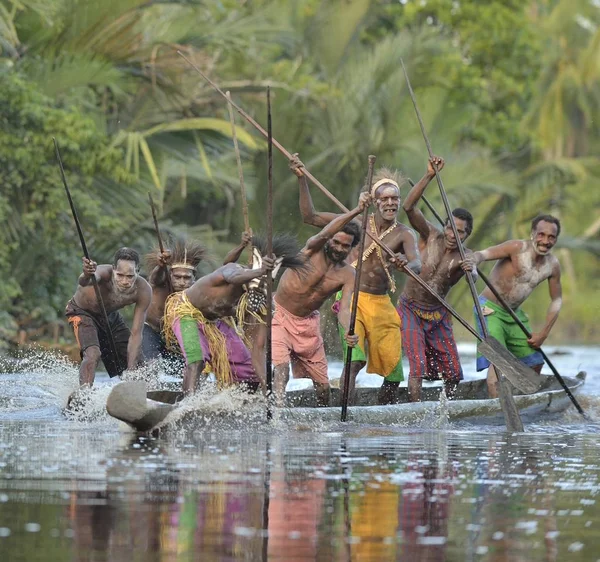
(353, 310)
(160, 242)
(111, 339)
(269, 319)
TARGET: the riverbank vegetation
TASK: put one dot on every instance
(508, 90)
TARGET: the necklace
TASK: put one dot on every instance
(374, 246)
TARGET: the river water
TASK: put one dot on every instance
(86, 489)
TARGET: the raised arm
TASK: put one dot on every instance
(317, 242)
(234, 255)
(134, 346)
(504, 250)
(159, 275)
(235, 274)
(555, 290)
(415, 216)
(307, 209)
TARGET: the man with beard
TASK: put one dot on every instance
(296, 321)
(522, 266)
(120, 285)
(171, 271)
(377, 322)
(427, 335)
(202, 321)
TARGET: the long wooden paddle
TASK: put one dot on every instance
(511, 414)
(160, 242)
(353, 310)
(111, 339)
(518, 374)
(269, 319)
(513, 315)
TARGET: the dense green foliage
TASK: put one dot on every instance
(508, 91)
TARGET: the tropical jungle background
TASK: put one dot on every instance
(509, 90)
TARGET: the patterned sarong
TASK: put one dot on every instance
(428, 341)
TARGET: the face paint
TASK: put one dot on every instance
(125, 275)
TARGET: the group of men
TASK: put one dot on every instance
(217, 322)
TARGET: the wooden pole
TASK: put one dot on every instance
(355, 294)
(238, 159)
(111, 339)
(160, 242)
(511, 414)
(269, 351)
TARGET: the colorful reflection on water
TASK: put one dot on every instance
(361, 494)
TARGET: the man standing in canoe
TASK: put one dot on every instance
(120, 285)
(171, 271)
(201, 320)
(296, 321)
(377, 322)
(427, 335)
(522, 266)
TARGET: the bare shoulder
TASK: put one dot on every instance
(554, 264)
(144, 290)
(104, 271)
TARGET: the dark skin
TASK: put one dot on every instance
(522, 266)
(120, 286)
(181, 278)
(234, 254)
(374, 280)
(327, 274)
(442, 266)
(216, 295)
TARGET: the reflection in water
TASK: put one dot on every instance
(362, 494)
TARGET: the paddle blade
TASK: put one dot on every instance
(519, 374)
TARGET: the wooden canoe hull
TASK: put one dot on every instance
(144, 411)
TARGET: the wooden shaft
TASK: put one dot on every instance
(111, 339)
(354, 308)
(238, 159)
(269, 356)
(160, 242)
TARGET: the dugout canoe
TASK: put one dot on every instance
(145, 411)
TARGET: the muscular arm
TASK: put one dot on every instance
(234, 254)
(103, 273)
(235, 274)
(307, 209)
(504, 250)
(346, 302)
(317, 242)
(409, 243)
(134, 345)
(158, 277)
(415, 216)
(555, 290)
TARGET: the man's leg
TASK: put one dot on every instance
(281, 374)
(388, 393)
(323, 392)
(492, 382)
(188, 337)
(190, 376)
(89, 364)
(414, 346)
(442, 354)
(355, 368)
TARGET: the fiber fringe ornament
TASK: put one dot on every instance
(178, 306)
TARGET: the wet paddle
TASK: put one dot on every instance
(160, 242)
(269, 319)
(111, 339)
(511, 414)
(353, 310)
(518, 374)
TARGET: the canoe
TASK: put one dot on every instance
(145, 411)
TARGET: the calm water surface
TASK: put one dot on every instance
(87, 489)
